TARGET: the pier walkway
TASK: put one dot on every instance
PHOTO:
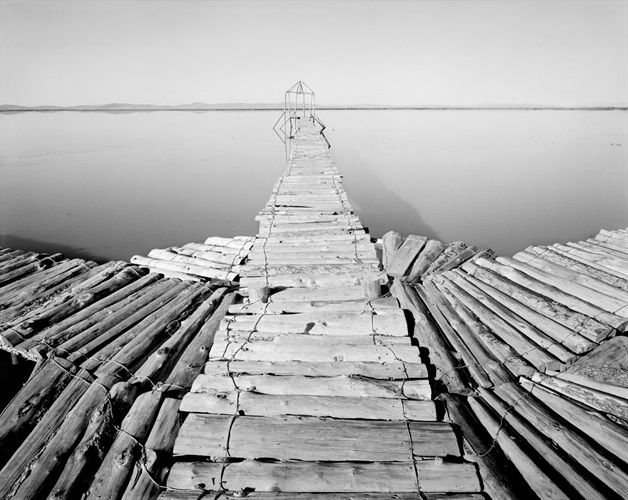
(318, 389)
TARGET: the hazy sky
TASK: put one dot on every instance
(350, 52)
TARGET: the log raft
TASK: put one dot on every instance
(447, 373)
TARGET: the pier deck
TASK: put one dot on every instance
(319, 389)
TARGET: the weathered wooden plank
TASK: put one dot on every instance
(570, 285)
(313, 439)
(310, 348)
(542, 484)
(561, 464)
(431, 251)
(392, 323)
(391, 241)
(379, 306)
(552, 255)
(401, 260)
(313, 280)
(327, 477)
(384, 371)
(329, 294)
(260, 495)
(598, 400)
(607, 434)
(554, 293)
(586, 326)
(565, 336)
(602, 467)
(448, 374)
(329, 386)
(269, 405)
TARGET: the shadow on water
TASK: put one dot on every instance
(379, 208)
(30, 245)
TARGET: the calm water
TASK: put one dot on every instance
(108, 186)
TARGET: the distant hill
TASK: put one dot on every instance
(238, 106)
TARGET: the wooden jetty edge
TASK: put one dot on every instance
(296, 364)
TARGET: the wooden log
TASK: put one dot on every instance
(195, 356)
(429, 254)
(14, 293)
(20, 303)
(501, 479)
(506, 355)
(569, 275)
(621, 248)
(608, 363)
(279, 348)
(94, 339)
(314, 439)
(167, 255)
(236, 241)
(118, 470)
(481, 359)
(599, 261)
(148, 339)
(328, 477)
(450, 326)
(38, 474)
(537, 444)
(450, 252)
(555, 294)
(68, 304)
(329, 386)
(193, 495)
(586, 326)
(448, 374)
(552, 255)
(377, 305)
(617, 252)
(400, 260)
(384, 371)
(536, 479)
(557, 332)
(155, 464)
(594, 398)
(605, 235)
(205, 272)
(259, 293)
(17, 466)
(277, 270)
(391, 241)
(22, 271)
(607, 434)
(85, 460)
(602, 467)
(111, 477)
(611, 304)
(583, 245)
(458, 260)
(102, 311)
(267, 405)
(325, 294)
(29, 406)
(522, 344)
(78, 335)
(393, 323)
(17, 262)
(162, 360)
(312, 280)
(324, 239)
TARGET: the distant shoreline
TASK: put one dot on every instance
(128, 108)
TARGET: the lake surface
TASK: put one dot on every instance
(109, 186)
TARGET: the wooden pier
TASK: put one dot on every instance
(299, 363)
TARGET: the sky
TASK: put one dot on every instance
(472, 52)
